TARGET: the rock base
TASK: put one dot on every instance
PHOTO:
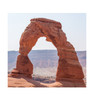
(15, 73)
(68, 82)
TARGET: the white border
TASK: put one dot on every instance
(48, 6)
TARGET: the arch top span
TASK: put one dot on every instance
(68, 64)
(44, 20)
(40, 27)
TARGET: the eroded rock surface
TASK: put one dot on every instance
(69, 68)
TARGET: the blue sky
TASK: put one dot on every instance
(73, 24)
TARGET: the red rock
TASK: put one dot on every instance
(24, 65)
(68, 64)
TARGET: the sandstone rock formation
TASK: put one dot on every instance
(69, 68)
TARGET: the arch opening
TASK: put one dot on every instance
(45, 61)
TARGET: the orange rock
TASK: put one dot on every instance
(24, 65)
(69, 69)
(68, 64)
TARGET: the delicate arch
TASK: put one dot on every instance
(68, 64)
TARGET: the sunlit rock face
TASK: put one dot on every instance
(69, 68)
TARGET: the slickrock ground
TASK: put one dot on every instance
(28, 82)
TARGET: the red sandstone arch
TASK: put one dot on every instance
(69, 68)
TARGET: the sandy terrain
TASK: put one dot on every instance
(23, 81)
(27, 82)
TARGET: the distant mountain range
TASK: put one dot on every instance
(43, 60)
